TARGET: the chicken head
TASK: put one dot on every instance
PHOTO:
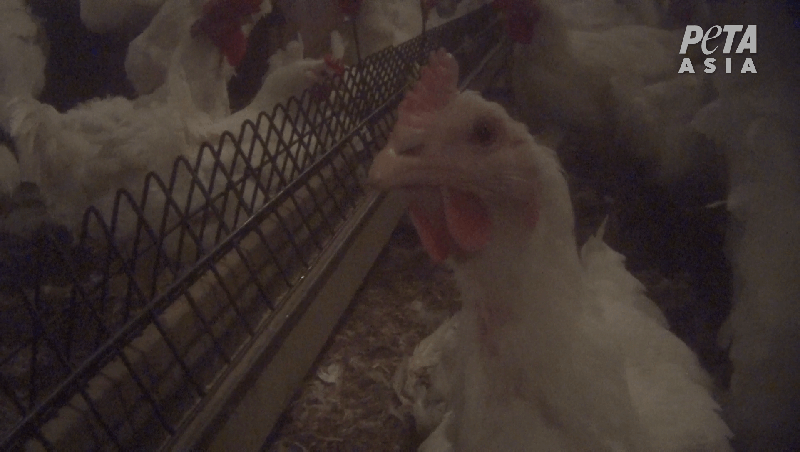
(222, 22)
(466, 165)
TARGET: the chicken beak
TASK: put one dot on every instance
(414, 167)
(449, 221)
(382, 169)
(398, 163)
(393, 169)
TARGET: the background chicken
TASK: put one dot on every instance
(22, 57)
(575, 82)
(22, 51)
(209, 41)
(424, 381)
(289, 76)
(655, 140)
(81, 158)
(656, 118)
(611, 103)
(753, 123)
(378, 23)
(559, 350)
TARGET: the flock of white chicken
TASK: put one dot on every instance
(180, 63)
(558, 348)
(81, 157)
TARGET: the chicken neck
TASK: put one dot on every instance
(531, 338)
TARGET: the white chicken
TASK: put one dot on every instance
(288, 75)
(424, 381)
(382, 24)
(655, 120)
(83, 156)
(586, 85)
(21, 73)
(21, 54)
(555, 349)
(763, 332)
(754, 123)
(314, 20)
(210, 38)
(379, 23)
(575, 65)
(596, 15)
(121, 16)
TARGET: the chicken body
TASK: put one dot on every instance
(558, 350)
(762, 333)
(379, 23)
(314, 20)
(753, 123)
(424, 381)
(84, 156)
(21, 51)
(655, 120)
(81, 157)
(563, 74)
(22, 63)
(608, 90)
(289, 76)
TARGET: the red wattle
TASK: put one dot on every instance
(433, 234)
(235, 47)
(467, 219)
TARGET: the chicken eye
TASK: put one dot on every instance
(483, 132)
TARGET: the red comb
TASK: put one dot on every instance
(334, 64)
(222, 22)
(437, 86)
